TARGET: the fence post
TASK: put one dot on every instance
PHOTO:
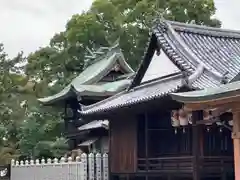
(105, 166)
(91, 165)
(99, 174)
(13, 169)
(57, 169)
(84, 169)
(64, 170)
(79, 167)
(43, 169)
(33, 169)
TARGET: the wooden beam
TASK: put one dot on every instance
(207, 121)
(211, 104)
(236, 142)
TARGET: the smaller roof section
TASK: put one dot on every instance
(88, 142)
(97, 90)
(105, 61)
(146, 92)
(94, 125)
(230, 90)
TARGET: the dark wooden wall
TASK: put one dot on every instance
(123, 145)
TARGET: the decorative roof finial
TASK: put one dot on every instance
(90, 51)
(113, 44)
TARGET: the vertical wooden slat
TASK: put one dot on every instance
(146, 142)
(109, 149)
(195, 144)
(201, 137)
(123, 151)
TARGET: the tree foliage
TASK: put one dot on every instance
(26, 128)
(104, 23)
(24, 124)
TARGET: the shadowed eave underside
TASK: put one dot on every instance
(231, 90)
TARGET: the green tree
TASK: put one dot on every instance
(106, 21)
(40, 134)
(24, 125)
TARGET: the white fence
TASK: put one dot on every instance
(85, 167)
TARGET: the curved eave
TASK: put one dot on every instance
(105, 68)
(223, 94)
(140, 94)
(124, 65)
(85, 90)
(59, 98)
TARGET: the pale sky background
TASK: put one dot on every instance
(27, 25)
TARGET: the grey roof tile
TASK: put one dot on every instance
(209, 94)
(137, 95)
(188, 47)
(90, 76)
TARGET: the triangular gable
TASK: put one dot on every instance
(191, 46)
(160, 66)
(95, 72)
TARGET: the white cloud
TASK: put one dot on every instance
(27, 25)
(228, 12)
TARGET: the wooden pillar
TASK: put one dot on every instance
(236, 141)
(109, 150)
(146, 143)
(196, 115)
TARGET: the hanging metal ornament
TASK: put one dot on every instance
(218, 122)
(190, 118)
(174, 120)
(220, 130)
(183, 117)
(207, 116)
(208, 128)
(184, 131)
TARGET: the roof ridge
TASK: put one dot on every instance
(104, 56)
(131, 97)
(190, 53)
(164, 26)
(84, 107)
(203, 29)
(175, 76)
(159, 80)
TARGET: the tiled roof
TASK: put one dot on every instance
(137, 95)
(94, 125)
(91, 75)
(97, 90)
(189, 45)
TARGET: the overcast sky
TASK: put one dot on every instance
(27, 24)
